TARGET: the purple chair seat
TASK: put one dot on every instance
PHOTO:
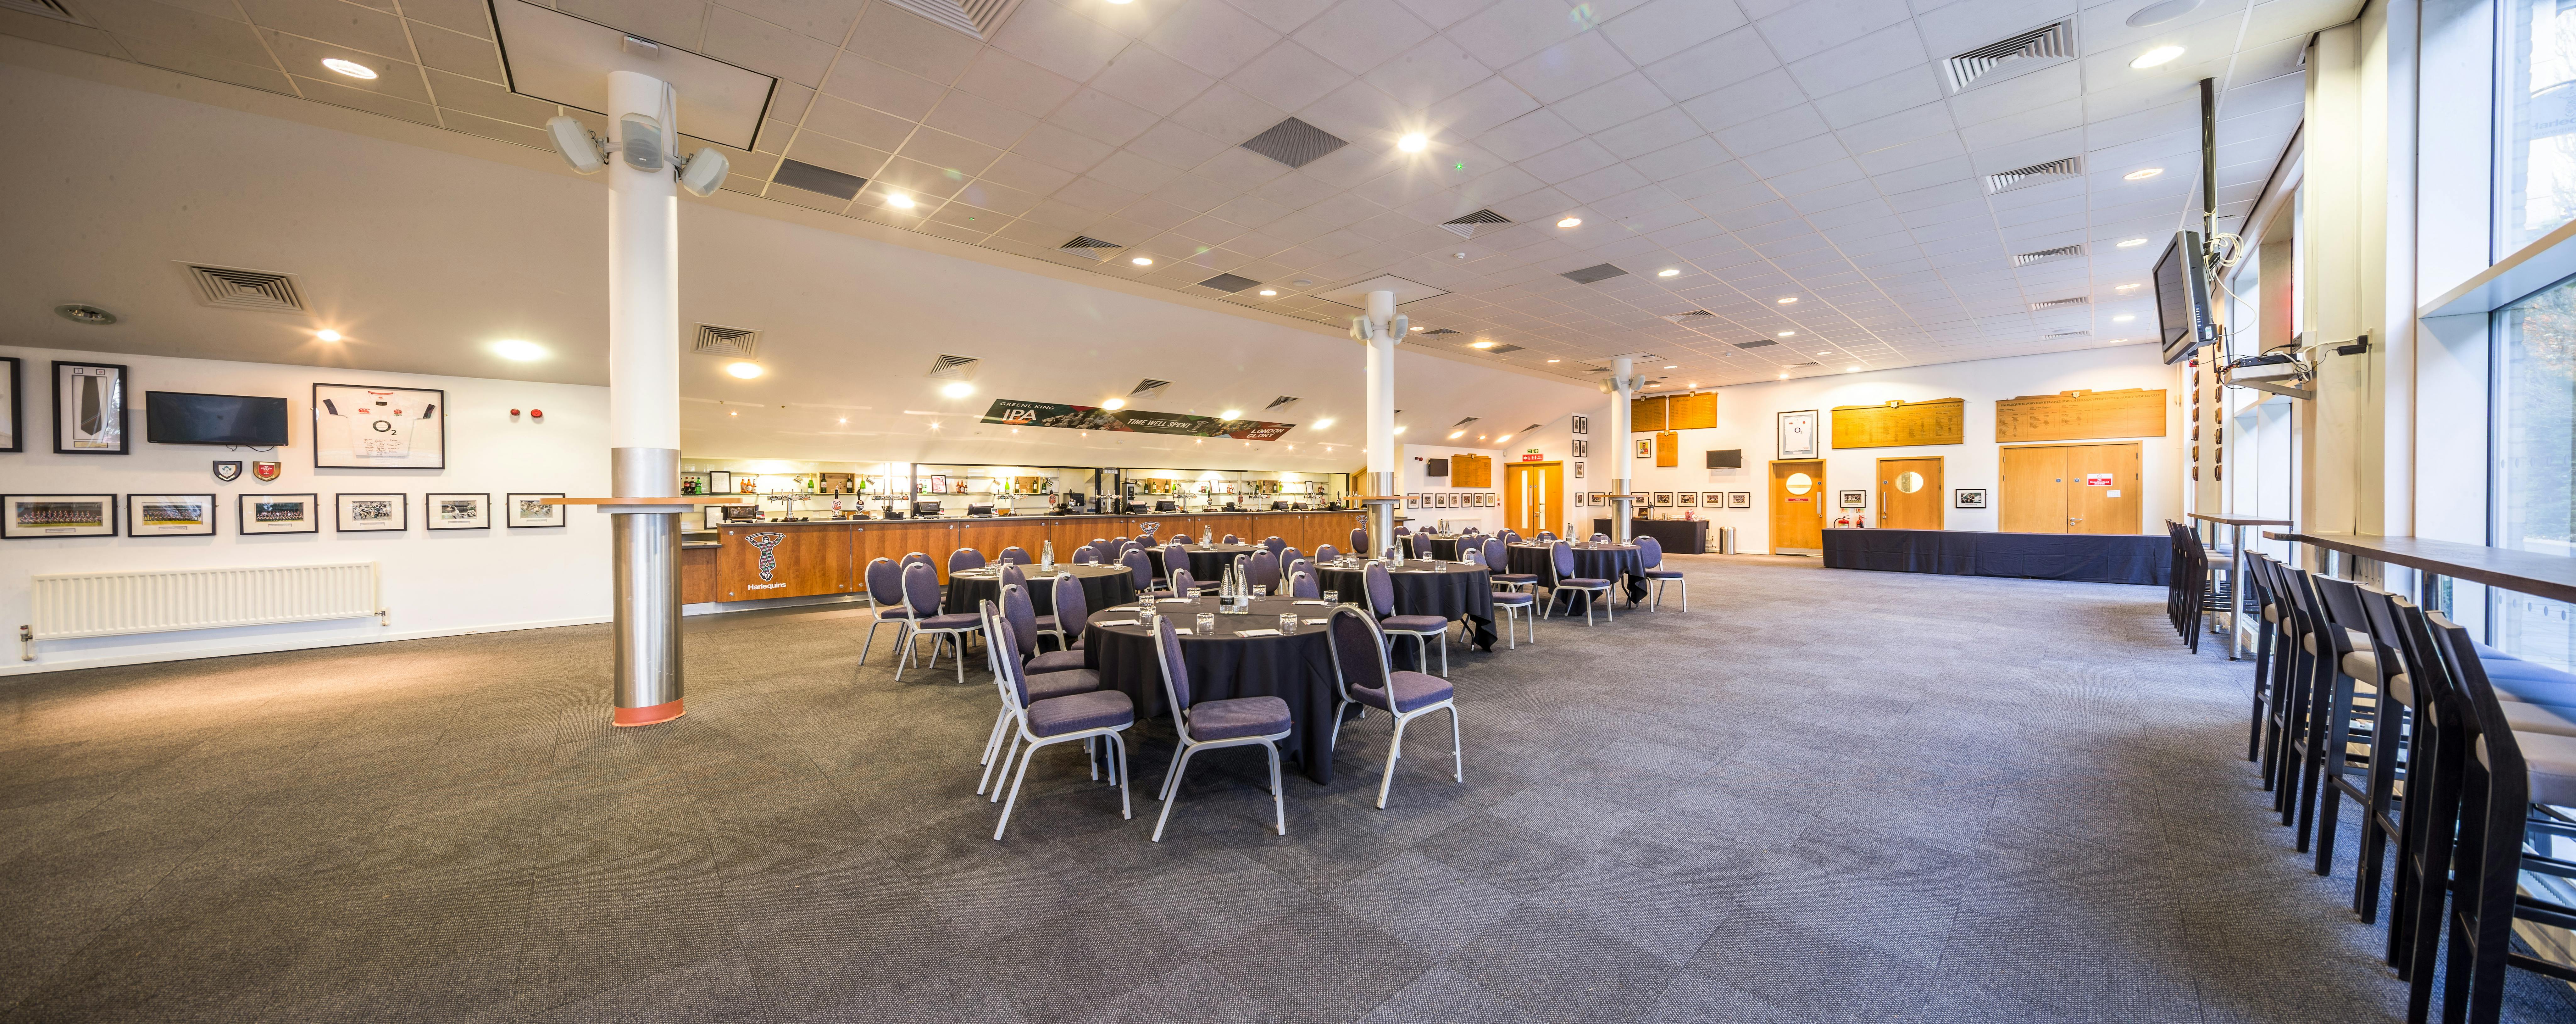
(1581, 582)
(1099, 709)
(1043, 624)
(894, 612)
(1514, 597)
(1055, 661)
(1515, 577)
(952, 620)
(1663, 574)
(1059, 682)
(1413, 623)
(1412, 690)
(1243, 716)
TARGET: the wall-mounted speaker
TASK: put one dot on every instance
(1731, 458)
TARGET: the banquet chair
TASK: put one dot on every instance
(910, 557)
(1086, 555)
(1546, 537)
(1017, 555)
(1026, 625)
(1359, 538)
(1212, 725)
(1498, 553)
(1044, 682)
(1327, 553)
(885, 597)
(1072, 614)
(1381, 598)
(1231, 539)
(1561, 556)
(1274, 543)
(1301, 583)
(1262, 570)
(1181, 585)
(1047, 721)
(1175, 558)
(964, 558)
(1404, 531)
(921, 591)
(1362, 676)
(1180, 538)
(1291, 566)
(1650, 560)
(1142, 567)
(1290, 556)
(1511, 603)
(1010, 575)
(1600, 538)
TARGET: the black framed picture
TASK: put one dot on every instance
(1739, 499)
(530, 511)
(360, 427)
(1798, 434)
(1853, 499)
(1713, 499)
(89, 408)
(1645, 447)
(278, 513)
(1663, 499)
(1599, 499)
(1686, 499)
(1968, 497)
(372, 513)
(458, 511)
(13, 426)
(1582, 448)
(29, 516)
(169, 515)
(1580, 425)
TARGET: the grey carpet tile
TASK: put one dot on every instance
(1818, 796)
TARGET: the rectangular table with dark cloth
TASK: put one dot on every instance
(1678, 536)
(2142, 559)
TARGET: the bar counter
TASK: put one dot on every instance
(831, 556)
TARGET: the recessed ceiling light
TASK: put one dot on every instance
(1486, 344)
(1456, 434)
(845, 419)
(1672, 366)
(1114, 404)
(2131, 243)
(522, 351)
(1788, 300)
(1569, 222)
(1787, 334)
(1556, 360)
(2142, 175)
(1784, 376)
(1399, 430)
(326, 334)
(1270, 291)
(1322, 423)
(2159, 55)
(745, 371)
(1669, 272)
(1412, 143)
(1143, 261)
(1231, 414)
(1851, 369)
(2122, 318)
(733, 412)
(1826, 352)
(1417, 328)
(350, 68)
(899, 200)
(957, 389)
(2127, 288)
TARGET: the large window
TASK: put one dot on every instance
(2536, 138)
(2535, 446)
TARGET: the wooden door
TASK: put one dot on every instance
(2033, 490)
(1534, 497)
(2102, 487)
(1909, 493)
(1798, 507)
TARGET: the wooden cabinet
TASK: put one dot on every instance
(698, 576)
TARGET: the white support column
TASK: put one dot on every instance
(644, 401)
(1381, 331)
(1623, 386)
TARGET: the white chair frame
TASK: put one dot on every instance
(912, 637)
(1395, 744)
(1189, 747)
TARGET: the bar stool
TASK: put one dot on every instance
(2349, 715)
(2267, 636)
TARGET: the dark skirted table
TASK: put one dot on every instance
(1678, 536)
(1102, 586)
(1452, 590)
(1432, 545)
(2144, 559)
(1208, 562)
(1294, 667)
(1612, 562)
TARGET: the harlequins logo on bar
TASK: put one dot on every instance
(1014, 413)
(768, 545)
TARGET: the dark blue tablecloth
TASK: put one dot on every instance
(2144, 559)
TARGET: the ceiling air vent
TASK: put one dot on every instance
(1281, 402)
(954, 367)
(1692, 317)
(818, 180)
(1799, 366)
(2059, 303)
(1090, 248)
(976, 18)
(1500, 349)
(1149, 388)
(2035, 174)
(1467, 226)
(1439, 330)
(1228, 282)
(1756, 344)
(41, 8)
(1295, 143)
(2063, 252)
(2005, 58)
(726, 341)
(1593, 273)
(235, 288)
(2071, 333)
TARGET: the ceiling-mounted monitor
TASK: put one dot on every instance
(2182, 298)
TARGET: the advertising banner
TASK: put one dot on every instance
(1012, 412)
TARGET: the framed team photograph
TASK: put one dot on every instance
(1581, 425)
(1853, 499)
(169, 515)
(28, 516)
(1578, 470)
(89, 408)
(1686, 499)
(1582, 448)
(1713, 499)
(1739, 499)
(530, 511)
(372, 513)
(1663, 499)
(359, 427)
(278, 513)
(1968, 497)
(458, 511)
(1599, 499)
(1413, 501)
(13, 425)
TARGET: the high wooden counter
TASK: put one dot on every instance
(829, 557)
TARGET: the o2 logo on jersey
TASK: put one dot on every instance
(768, 545)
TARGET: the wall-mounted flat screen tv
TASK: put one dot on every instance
(180, 417)
(2182, 298)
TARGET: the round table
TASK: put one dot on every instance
(1455, 591)
(1294, 667)
(1611, 562)
(1432, 545)
(1102, 586)
(1208, 562)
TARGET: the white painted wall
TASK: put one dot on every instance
(1746, 419)
(435, 583)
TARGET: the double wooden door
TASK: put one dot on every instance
(1798, 507)
(2071, 488)
(1909, 493)
(1533, 496)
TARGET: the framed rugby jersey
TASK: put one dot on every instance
(358, 427)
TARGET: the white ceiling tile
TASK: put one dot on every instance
(1877, 55)
(1814, 26)
(1288, 76)
(1616, 102)
(1604, 183)
(1212, 37)
(1936, 149)
(1652, 133)
(1370, 120)
(1170, 143)
(1103, 118)
(1148, 79)
(1017, 171)
(1926, 121)
(1481, 107)
(1773, 131)
(900, 93)
(1015, 83)
(1547, 202)
(1712, 181)
(1241, 168)
(1919, 176)
(1712, 65)
(1096, 195)
(1059, 40)
(1568, 162)
(1431, 71)
(1358, 35)
(1529, 135)
(1283, 15)
(1567, 68)
(1880, 97)
(2030, 124)
(1228, 113)
(1698, 153)
(1960, 27)
(1663, 28)
(1510, 30)
(1129, 171)
(1760, 96)
(979, 119)
(1294, 190)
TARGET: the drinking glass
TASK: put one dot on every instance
(1332, 597)
(1207, 624)
(1288, 622)
(1261, 590)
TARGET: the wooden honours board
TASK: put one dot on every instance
(1695, 411)
(1471, 470)
(1938, 421)
(2081, 415)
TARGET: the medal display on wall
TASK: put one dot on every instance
(227, 472)
(267, 471)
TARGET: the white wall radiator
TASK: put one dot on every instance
(80, 604)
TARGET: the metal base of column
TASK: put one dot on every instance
(1622, 510)
(644, 544)
(655, 715)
